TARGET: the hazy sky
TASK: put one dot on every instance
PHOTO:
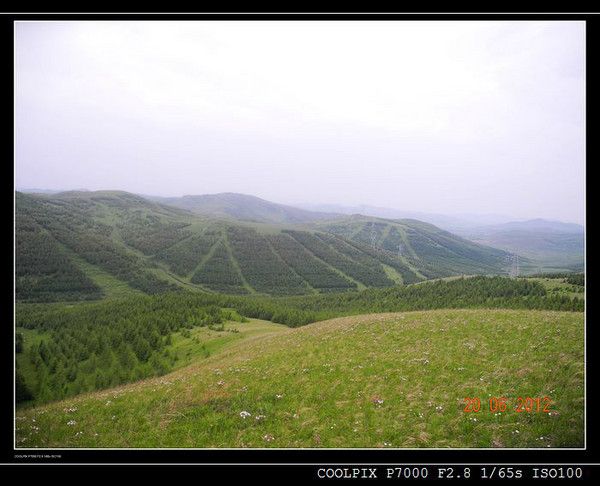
(447, 117)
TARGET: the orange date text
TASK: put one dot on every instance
(504, 404)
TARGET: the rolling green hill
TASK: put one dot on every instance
(85, 245)
(379, 380)
(430, 251)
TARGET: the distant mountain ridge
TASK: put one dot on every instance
(452, 223)
(244, 207)
(550, 244)
(537, 224)
(461, 224)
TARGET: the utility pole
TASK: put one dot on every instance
(514, 268)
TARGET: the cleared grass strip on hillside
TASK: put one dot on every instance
(236, 265)
(44, 271)
(261, 267)
(219, 273)
(146, 232)
(379, 278)
(69, 222)
(111, 286)
(409, 274)
(395, 240)
(183, 257)
(364, 274)
(316, 273)
(442, 260)
(371, 233)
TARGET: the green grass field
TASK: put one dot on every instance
(378, 380)
(202, 342)
(558, 286)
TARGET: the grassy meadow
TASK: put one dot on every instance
(394, 380)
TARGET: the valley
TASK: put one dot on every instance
(145, 324)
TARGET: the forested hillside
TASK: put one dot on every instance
(423, 246)
(84, 245)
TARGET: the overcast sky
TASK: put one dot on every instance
(446, 117)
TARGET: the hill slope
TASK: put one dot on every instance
(547, 245)
(80, 245)
(537, 225)
(243, 207)
(383, 380)
(431, 251)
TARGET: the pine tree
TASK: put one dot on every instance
(22, 392)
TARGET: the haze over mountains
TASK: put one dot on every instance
(244, 207)
(457, 223)
(549, 243)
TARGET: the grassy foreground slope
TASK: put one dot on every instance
(380, 380)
